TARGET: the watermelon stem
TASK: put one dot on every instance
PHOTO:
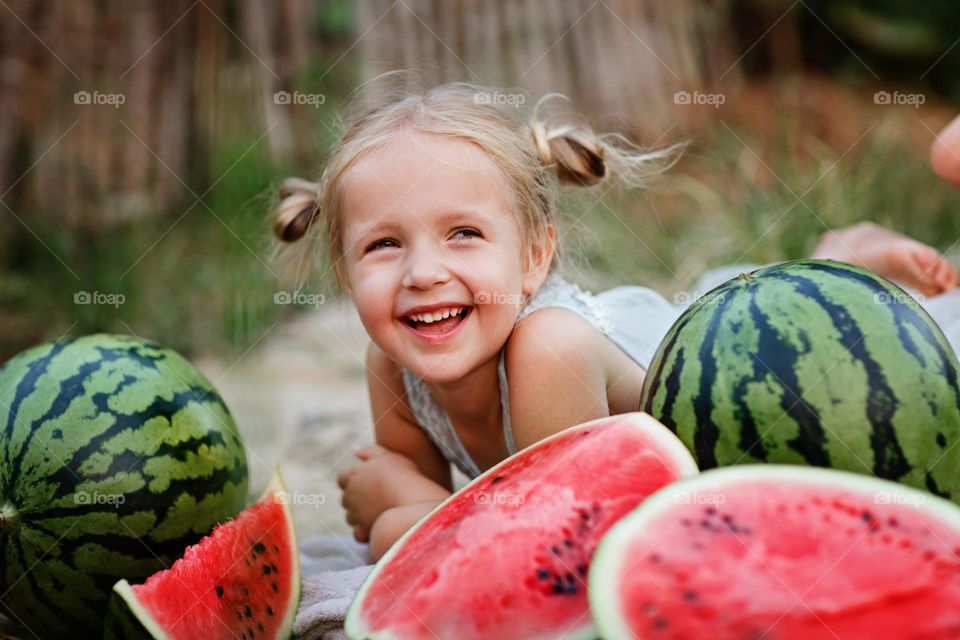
(8, 516)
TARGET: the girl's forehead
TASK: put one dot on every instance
(422, 173)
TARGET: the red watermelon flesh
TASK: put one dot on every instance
(784, 553)
(507, 556)
(241, 581)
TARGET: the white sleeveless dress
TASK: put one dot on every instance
(614, 313)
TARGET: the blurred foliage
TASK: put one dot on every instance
(199, 278)
(908, 41)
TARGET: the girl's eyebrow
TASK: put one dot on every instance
(446, 217)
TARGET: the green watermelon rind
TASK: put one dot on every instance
(709, 414)
(354, 626)
(67, 589)
(607, 560)
(276, 489)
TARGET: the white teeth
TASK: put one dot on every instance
(437, 315)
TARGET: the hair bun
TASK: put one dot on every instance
(577, 152)
(299, 207)
(541, 143)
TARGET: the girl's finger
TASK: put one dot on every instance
(343, 478)
(369, 451)
(361, 534)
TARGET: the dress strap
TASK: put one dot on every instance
(435, 420)
(505, 405)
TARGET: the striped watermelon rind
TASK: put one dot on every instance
(115, 455)
(812, 362)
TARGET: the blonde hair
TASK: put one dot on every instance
(534, 151)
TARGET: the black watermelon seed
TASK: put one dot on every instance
(867, 516)
(496, 479)
(689, 596)
(260, 627)
(274, 567)
(266, 570)
(543, 574)
(660, 623)
(276, 548)
(582, 569)
(247, 611)
(259, 548)
(239, 616)
(558, 586)
(269, 610)
(219, 591)
(555, 550)
(274, 586)
(568, 543)
(250, 631)
(941, 440)
(245, 591)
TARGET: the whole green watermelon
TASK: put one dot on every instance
(115, 455)
(812, 362)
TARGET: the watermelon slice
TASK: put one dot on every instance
(507, 555)
(241, 581)
(781, 552)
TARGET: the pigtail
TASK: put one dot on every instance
(582, 157)
(299, 207)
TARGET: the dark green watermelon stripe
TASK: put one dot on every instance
(811, 440)
(903, 314)
(124, 421)
(27, 580)
(655, 373)
(28, 383)
(707, 434)
(134, 501)
(882, 402)
(70, 388)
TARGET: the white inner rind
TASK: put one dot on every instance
(609, 557)
(662, 440)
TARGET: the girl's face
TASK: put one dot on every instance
(428, 223)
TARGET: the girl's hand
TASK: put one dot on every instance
(381, 481)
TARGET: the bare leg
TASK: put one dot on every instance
(891, 255)
(945, 153)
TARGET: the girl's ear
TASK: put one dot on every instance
(539, 259)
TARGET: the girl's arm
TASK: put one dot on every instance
(393, 523)
(557, 375)
(406, 467)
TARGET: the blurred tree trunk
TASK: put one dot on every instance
(109, 110)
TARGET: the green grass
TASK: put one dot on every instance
(714, 210)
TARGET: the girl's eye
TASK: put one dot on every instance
(380, 243)
(472, 232)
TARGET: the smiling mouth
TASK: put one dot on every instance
(438, 326)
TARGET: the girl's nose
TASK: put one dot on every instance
(424, 270)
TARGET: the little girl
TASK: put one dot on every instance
(439, 217)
